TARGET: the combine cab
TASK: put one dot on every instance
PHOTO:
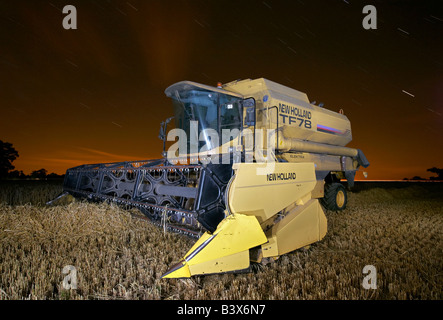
(253, 167)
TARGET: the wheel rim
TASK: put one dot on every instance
(340, 199)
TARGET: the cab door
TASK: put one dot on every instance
(248, 129)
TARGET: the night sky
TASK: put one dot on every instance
(96, 94)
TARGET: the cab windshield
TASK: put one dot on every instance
(218, 116)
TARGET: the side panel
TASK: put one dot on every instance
(324, 164)
(304, 225)
(236, 261)
(265, 189)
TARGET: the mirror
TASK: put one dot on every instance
(249, 107)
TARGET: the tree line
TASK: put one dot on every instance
(435, 170)
(41, 174)
(8, 154)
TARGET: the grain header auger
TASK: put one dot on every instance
(253, 165)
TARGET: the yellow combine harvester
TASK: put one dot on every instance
(253, 166)
(273, 208)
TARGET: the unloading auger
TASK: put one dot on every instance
(253, 167)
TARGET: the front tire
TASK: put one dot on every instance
(335, 198)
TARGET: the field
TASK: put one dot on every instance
(396, 228)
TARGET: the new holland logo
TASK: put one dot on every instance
(281, 176)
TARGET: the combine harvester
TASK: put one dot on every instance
(254, 163)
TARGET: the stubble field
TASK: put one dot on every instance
(396, 229)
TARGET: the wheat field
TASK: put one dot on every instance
(118, 256)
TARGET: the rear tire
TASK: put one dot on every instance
(335, 198)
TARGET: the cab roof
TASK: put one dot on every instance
(189, 85)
